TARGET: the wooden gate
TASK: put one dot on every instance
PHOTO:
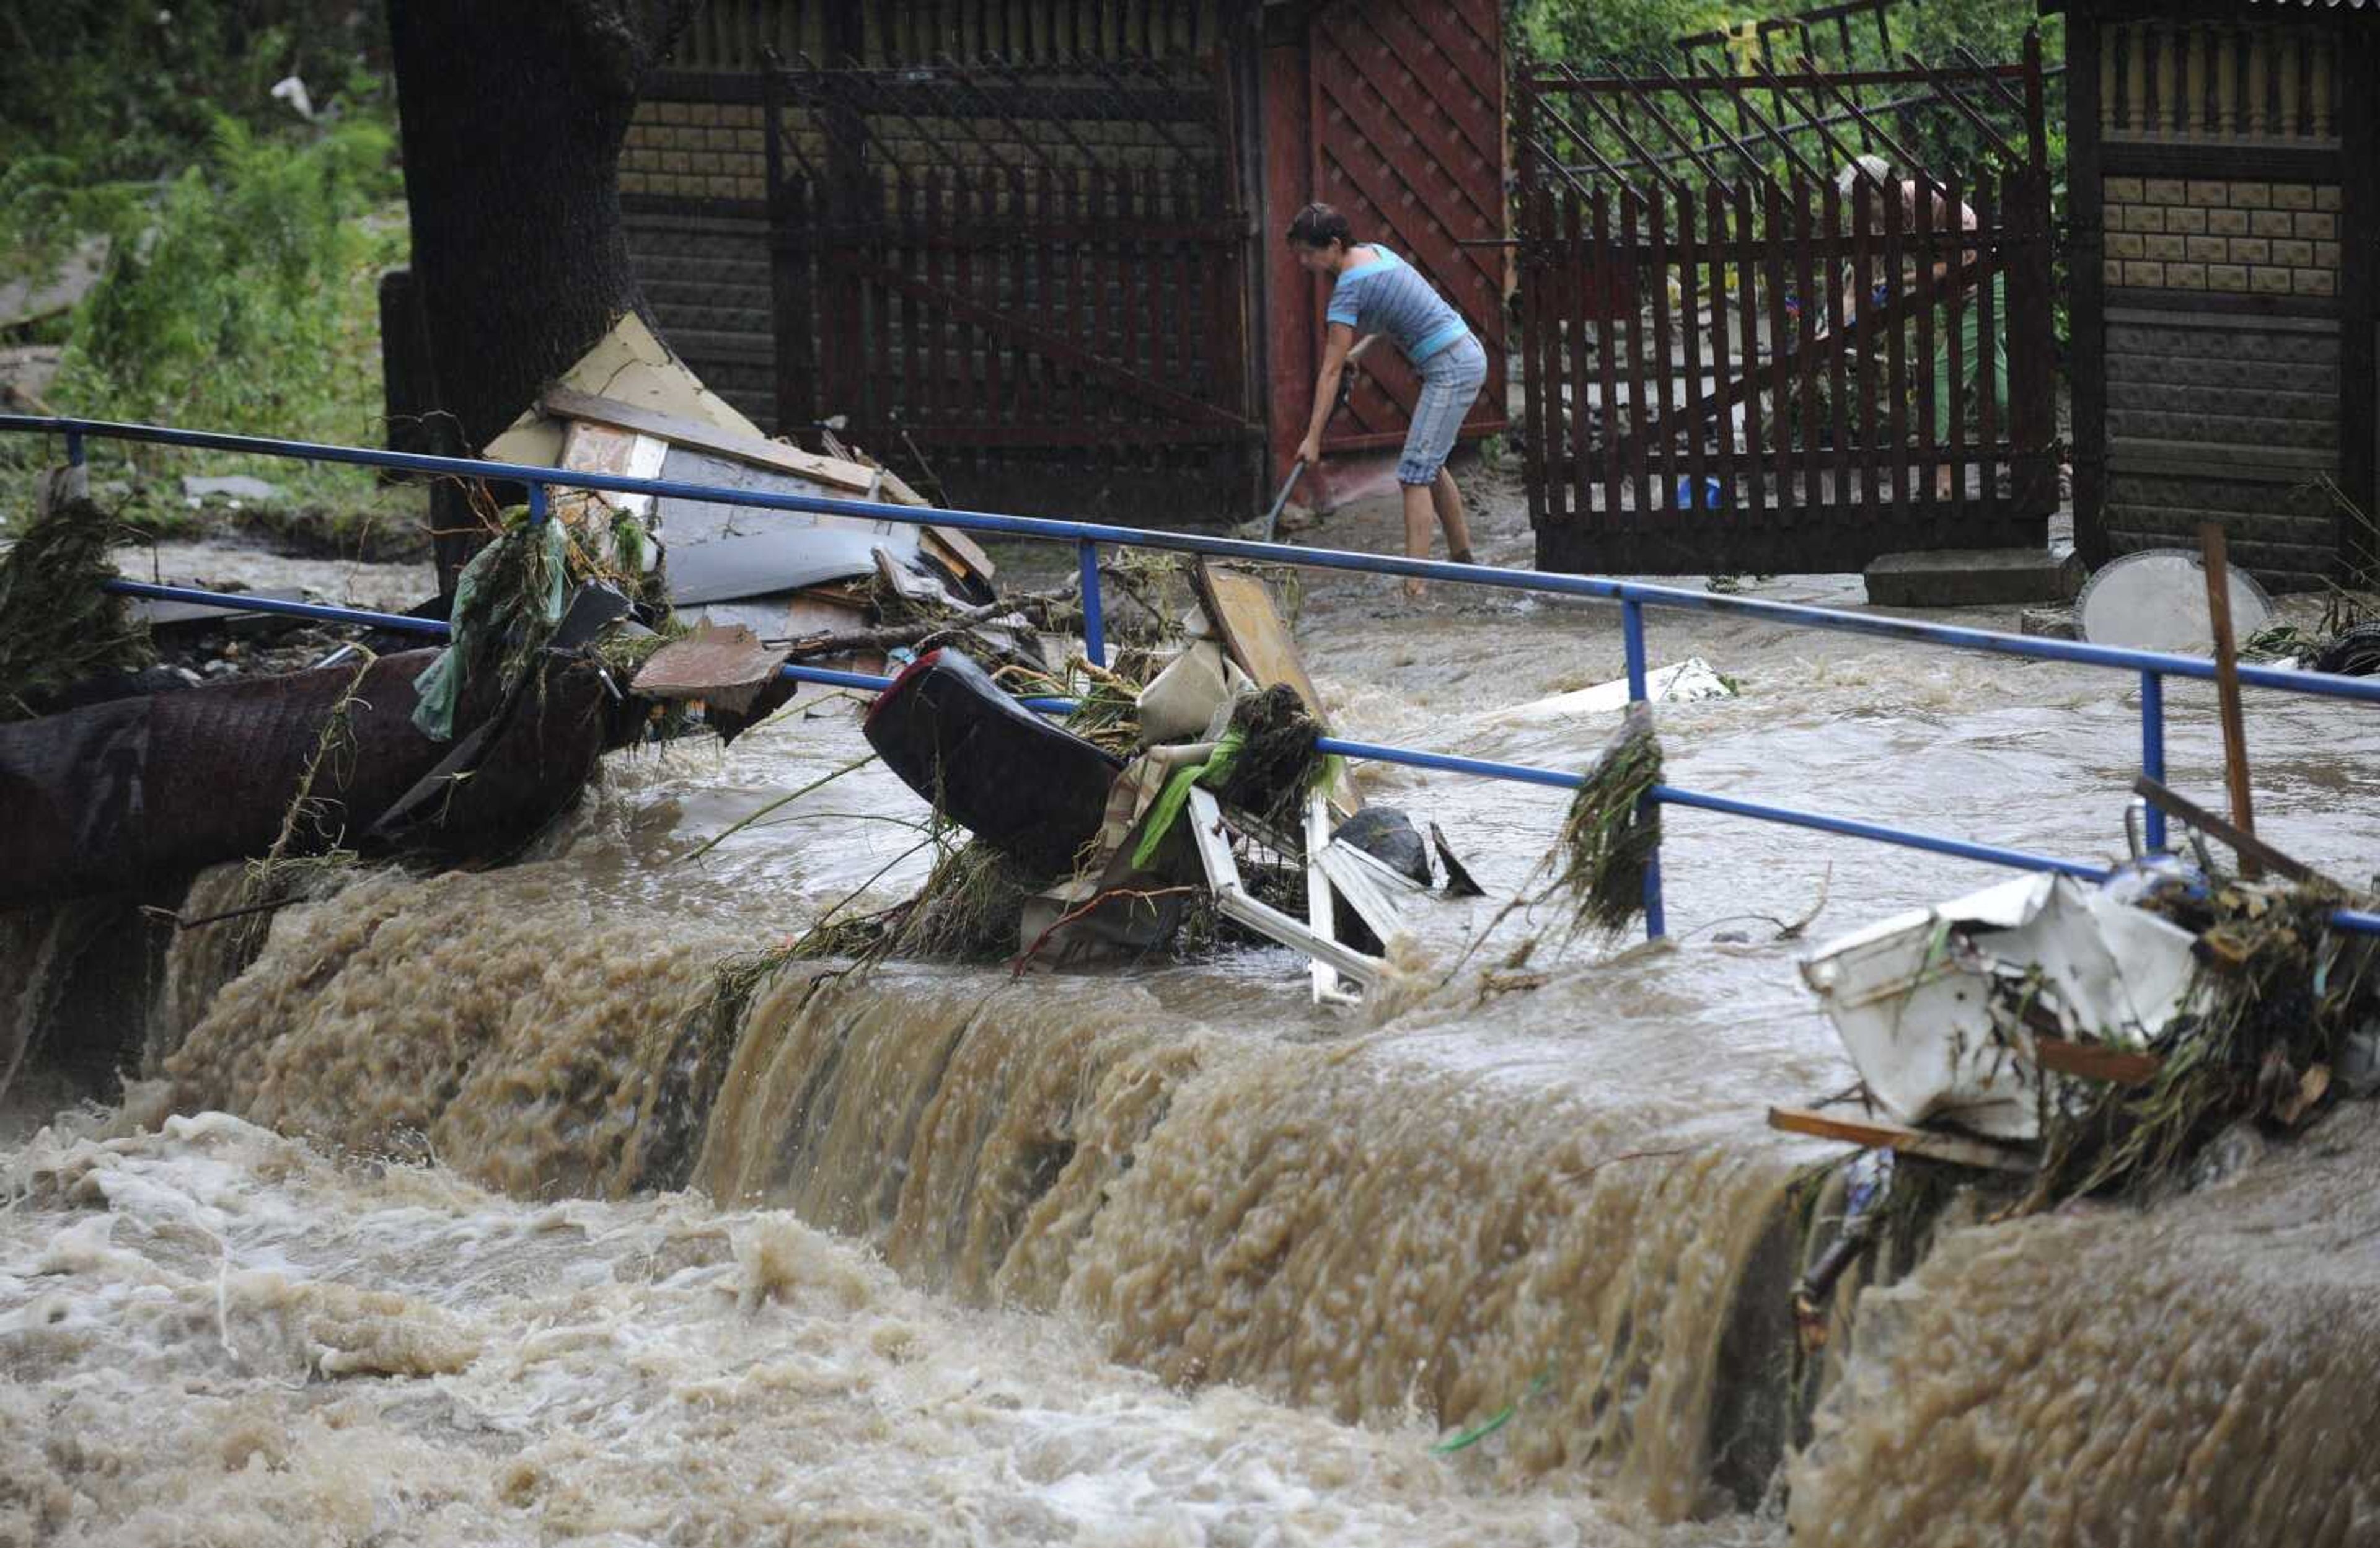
(1797, 376)
(982, 266)
(1406, 109)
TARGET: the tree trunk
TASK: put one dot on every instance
(512, 118)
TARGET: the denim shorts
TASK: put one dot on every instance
(1450, 380)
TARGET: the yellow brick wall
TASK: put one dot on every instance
(696, 151)
(2241, 236)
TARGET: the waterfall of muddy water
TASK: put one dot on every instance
(1165, 1251)
(2206, 1373)
(215, 1333)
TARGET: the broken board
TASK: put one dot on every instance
(1240, 607)
(1881, 1134)
(563, 403)
(627, 365)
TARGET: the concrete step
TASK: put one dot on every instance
(1972, 578)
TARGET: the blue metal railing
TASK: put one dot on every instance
(1633, 597)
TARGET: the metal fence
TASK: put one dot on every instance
(2151, 668)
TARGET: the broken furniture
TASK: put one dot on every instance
(1942, 1009)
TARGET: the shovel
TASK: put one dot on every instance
(1297, 469)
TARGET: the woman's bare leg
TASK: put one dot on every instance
(1448, 499)
(1417, 525)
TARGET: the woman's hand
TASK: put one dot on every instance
(1309, 451)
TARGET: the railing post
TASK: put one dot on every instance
(1632, 633)
(1095, 643)
(537, 510)
(74, 449)
(2153, 749)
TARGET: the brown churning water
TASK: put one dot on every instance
(478, 1225)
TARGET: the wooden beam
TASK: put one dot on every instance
(2093, 1062)
(1879, 1135)
(2226, 690)
(568, 404)
(2206, 822)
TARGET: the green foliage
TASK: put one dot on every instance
(127, 91)
(1584, 30)
(243, 241)
(226, 302)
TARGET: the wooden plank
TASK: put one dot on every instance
(1864, 284)
(1638, 479)
(1896, 341)
(1880, 1134)
(2359, 279)
(793, 291)
(1606, 368)
(1989, 322)
(1929, 456)
(1690, 335)
(911, 308)
(1955, 342)
(1838, 384)
(2217, 570)
(1664, 494)
(565, 402)
(1538, 410)
(1776, 245)
(1240, 607)
(1097, 409)
(970, 404)
(1748, 277)
(1002, 284)
(936, 410)
(1805, 419)
(2091, 1061)
(2175, 804)
(1190, 285)
(1716, 243)
(1571, 385)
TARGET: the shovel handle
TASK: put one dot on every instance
(1297, 469)
(1272, 518)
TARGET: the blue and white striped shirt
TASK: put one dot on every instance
(1387, 296)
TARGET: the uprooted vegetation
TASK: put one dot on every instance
(57, 628)
(2284, 1021)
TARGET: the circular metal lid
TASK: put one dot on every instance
(2156, 600)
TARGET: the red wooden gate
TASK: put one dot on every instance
(1404, 132)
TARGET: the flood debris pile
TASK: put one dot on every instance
(1182, 802)
(2283, 1020)
(2050, 1039)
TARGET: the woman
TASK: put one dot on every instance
(1374, 291)
(1974, 349)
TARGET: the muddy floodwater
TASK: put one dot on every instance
(419, 1228)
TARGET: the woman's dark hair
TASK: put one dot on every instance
(1318, 225)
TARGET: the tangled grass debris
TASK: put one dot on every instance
(1611, 832)
(2285, 1014)
(57, 628)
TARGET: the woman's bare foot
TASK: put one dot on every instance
(1417, 589)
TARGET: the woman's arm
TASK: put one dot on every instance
(1335, 345)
